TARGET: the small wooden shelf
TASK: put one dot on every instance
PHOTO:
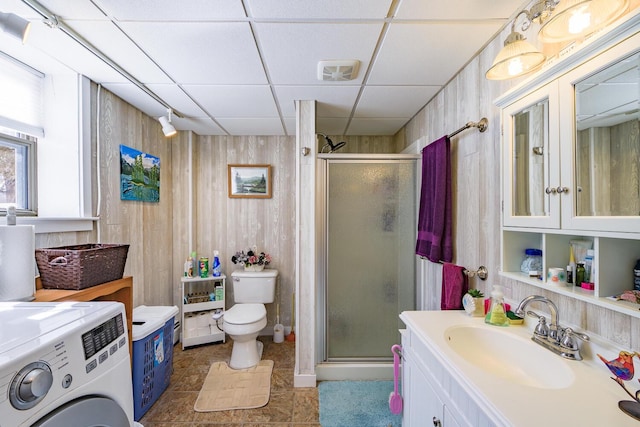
(120, 290)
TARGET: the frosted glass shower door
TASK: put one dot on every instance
(370, 276)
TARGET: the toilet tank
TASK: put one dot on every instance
(254, 286)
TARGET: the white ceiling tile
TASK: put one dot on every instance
(235, 101)
(290, 125)
(333, 101)
(66, 9)
(177, 99)
(200, 53)
(118, 47)
(135, 96)
(458, 9)
(172, 10)
(198, 125)
(431, 54)
(292, 51)
(326, 9)
(331, 126)
(378, 126)
(56, 44)
(252, 126)
(393, 101)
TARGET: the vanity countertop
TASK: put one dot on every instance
(589, 398)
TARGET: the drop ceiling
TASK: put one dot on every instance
(235, 67)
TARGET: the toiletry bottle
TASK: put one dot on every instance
(497, 314)
(580, 271)
(217, 268)
(569, 274)
(636, 276)
(588, 264)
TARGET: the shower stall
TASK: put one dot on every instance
(367, 271)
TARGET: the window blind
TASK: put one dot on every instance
(21, 105)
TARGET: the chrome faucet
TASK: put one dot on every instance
(553, 337)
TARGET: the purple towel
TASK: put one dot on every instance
(435, 216)
(454, 286)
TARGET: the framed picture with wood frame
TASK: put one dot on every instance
(249, 181)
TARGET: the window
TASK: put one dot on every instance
(21, 120)
(17, 184)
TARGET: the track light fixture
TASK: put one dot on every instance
(15, 25)
(167, 127)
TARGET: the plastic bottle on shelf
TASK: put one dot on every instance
(188, 267)
(588, 264)
(497, 314)
(217, 268)
(636, 276)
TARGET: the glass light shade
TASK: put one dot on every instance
(516, 58)
(576, 18)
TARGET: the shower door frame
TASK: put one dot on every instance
(322, 235)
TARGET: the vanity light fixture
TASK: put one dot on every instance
(15, 25)
(167, 127)
(572, 19)
(517, 57)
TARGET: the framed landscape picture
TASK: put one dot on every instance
(139, 175)
(249, 181)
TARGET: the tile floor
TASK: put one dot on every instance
(287, 407)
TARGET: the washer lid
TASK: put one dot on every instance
(243, 314)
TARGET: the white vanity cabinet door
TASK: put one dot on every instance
(423, 406)
(449, 419)
(530, 150)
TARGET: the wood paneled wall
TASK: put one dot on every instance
(476, 183)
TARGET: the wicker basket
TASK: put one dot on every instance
(81, 266)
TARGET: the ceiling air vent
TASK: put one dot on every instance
(338, 71)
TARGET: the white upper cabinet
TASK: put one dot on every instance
(571, 147)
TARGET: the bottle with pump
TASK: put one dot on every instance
(497, 314)
(217, 268)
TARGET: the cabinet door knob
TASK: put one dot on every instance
(561, 190)
(550, 190)
(437, 422)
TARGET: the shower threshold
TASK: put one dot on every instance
(338, 371)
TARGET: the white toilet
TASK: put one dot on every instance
(243, 321)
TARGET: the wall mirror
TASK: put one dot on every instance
(607, 139)
(530, 153)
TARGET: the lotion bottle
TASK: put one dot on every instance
(497, 314)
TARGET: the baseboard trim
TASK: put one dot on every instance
(304, 380)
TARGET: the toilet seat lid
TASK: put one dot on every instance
(242, 314)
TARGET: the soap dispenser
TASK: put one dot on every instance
(497, 314)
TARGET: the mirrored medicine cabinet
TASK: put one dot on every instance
(571, 167)
(573, 154)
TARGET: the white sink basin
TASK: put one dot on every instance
(519, 360)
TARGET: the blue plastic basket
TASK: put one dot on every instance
(152, 366)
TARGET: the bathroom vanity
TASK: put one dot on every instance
(459, 372)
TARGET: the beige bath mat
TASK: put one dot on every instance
(226, 388)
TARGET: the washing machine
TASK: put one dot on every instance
(65, 365)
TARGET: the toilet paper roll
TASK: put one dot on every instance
(17, 263)
(203, 319)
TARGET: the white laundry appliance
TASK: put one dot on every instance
(64, 365)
